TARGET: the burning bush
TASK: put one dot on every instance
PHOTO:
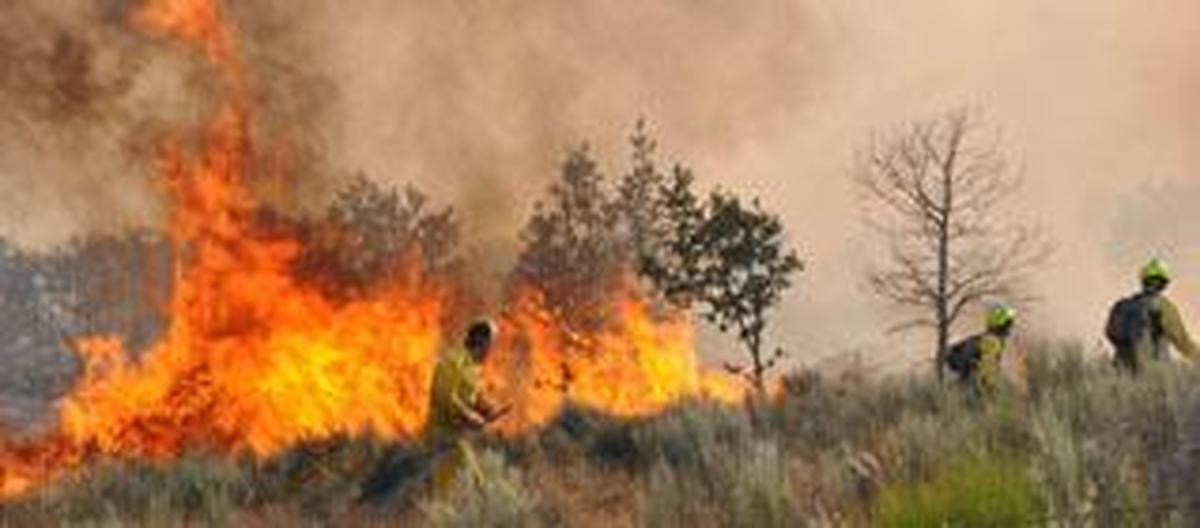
(259, 353)
(368, 233)
(725, 256)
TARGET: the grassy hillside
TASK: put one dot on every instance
(1081, 446)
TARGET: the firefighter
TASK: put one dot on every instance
(457, 408)
(976, 359)
(1144, 325)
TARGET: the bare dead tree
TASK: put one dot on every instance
(933, 189)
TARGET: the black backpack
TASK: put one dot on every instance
(1128, 321)
(963, 357)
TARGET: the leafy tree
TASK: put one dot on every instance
(572, 251)
(367, 232)
(933, 189)
(37, 365)
(118, 284)
(99, 284)
(637, 209)
(728, 257)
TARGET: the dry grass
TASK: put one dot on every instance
(1082, 446)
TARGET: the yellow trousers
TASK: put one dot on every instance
(449, 464)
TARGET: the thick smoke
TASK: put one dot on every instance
(1096, 100)
(477, 101)
(69, 86)
(480, 101)
(87, 99)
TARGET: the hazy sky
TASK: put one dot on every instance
(478, 101)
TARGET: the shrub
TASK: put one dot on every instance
(1060, 468)
(973, 491)
(746, 487)
(1050, 368)
(713, 468)
(923, 442)
(499, 500)
(323, 476)
(1086, 447)
(193, 490)
(816, 414)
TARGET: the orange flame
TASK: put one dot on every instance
(255, 361)
(639, 365)
(196, 22)
(252, 360)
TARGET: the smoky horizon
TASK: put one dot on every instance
(478, 105)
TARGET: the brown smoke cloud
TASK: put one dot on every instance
(69, 86)
(480, 100)
(1098, 98)
(477, 101)
(86, 100)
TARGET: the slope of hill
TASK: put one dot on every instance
(1080, 445)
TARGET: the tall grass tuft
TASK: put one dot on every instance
(972, 491)
(500, 500)
(194, 490)
(713, 468)
(1078, 444)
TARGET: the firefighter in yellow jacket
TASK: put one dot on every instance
(977, 359)
(1000, 321)
(1144, 325)
(457, 408)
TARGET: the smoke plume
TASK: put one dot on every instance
(477, 101)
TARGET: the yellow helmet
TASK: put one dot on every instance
(1000, 316)
(1156, 270)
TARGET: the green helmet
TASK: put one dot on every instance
(1000, 316)
(1156, 270)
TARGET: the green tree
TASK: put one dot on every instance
(719, 253)
(368, 230)
(101, 284)
(729, 258)
(572, 250)
(637, 209)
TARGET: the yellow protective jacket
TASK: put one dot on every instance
(988, 373)
(1169, 330)
(454, 403)
(453, 397)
